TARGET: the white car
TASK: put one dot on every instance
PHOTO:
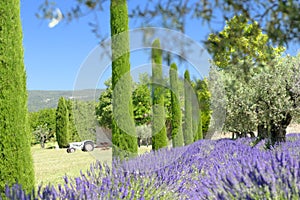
(86, 145)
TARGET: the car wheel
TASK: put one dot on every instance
(88, 146)
(70, 150)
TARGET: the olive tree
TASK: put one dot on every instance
(276, 18)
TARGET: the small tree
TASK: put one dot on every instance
(141, 100)
(62, 124)
(144, 133)
(42, 118)
(42, 134)
(176, 120)
(188, 127)
(104, 106)
(159, 132)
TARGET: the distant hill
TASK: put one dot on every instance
(40, 99)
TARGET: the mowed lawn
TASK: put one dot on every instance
(51, 165)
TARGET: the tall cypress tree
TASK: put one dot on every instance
(159, 132)
(62, 123)
(198, 121)
(16, 164)
(198, 132)
(196, 115)
(200, 129)
(177, 135)
(188, 126)
(74, 136)
(123, 128)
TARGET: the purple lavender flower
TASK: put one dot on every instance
(221, 169)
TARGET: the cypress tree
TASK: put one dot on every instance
(16, 163)
(196, 115)
(198, 127)
(123, 128)
(199, 133)
(177, 135)
(159, 132)
(188, 127)
(203, 96)
(74, 136)
(62, 123)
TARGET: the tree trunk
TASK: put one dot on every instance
(277, 134)
(262, 131)
(42, 144)
(278, 131)
(139, 140)
(251, 133)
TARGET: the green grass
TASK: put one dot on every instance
(51, 164)
(144, 149)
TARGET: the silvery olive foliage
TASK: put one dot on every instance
(269, 93)
(277, 89)
(218, 100)
(144, 131)
(259, 83)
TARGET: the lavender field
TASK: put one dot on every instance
(207, 169)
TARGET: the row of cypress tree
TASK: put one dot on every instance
(16, 163)
(124, 137)
(123, 129)
(192, 130)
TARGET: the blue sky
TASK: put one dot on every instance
(53, 57)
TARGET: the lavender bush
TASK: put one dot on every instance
(207, 169)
